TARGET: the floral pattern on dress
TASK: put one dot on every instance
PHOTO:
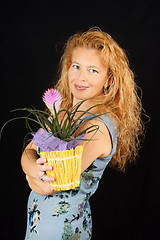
(62, 208)
(64, 194)
(89, 178)
(69, 233)
(84, 214)
(33, 216)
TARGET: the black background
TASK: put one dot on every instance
(126, 205)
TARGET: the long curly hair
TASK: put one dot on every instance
(119, 99)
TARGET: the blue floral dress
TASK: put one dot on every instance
(67, 214)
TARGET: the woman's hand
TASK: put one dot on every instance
(35, 169)
(40, 170)
(40, 183)
(40, 187)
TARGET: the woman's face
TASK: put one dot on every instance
(87, 74)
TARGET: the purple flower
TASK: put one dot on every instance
(51, 97)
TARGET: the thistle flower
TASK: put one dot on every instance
(52, 97)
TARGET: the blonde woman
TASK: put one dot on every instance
(96, 69)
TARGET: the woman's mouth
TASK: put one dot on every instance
(78, 87)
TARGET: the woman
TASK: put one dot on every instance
(93, 68)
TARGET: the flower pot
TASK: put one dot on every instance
(66, 167)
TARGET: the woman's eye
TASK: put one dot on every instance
(93, 70)
(76, 67)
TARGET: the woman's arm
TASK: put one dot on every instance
(100, 144)
(34, 167)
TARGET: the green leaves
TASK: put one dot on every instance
(62, 128)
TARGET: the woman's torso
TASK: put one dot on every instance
(67, 214)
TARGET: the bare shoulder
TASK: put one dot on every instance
(100, 128)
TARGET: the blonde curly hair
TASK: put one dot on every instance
(120, 99)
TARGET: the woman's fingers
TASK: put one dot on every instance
(46, 178)
(44, 168)
(41, 169)
(40, 162)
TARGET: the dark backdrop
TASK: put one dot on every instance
(126, 206)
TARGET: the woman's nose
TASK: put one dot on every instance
(82, 75)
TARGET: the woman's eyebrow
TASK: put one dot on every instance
(75, 62)
(94, 67)
(90, 66)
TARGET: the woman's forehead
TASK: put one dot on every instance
(87, 56)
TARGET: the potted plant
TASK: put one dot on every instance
(57, 138)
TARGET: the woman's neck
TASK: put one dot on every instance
(85, 105)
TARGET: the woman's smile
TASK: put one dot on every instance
(80, 87)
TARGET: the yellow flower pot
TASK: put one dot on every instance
(66, 167)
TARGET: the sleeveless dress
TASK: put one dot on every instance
(67, 214)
